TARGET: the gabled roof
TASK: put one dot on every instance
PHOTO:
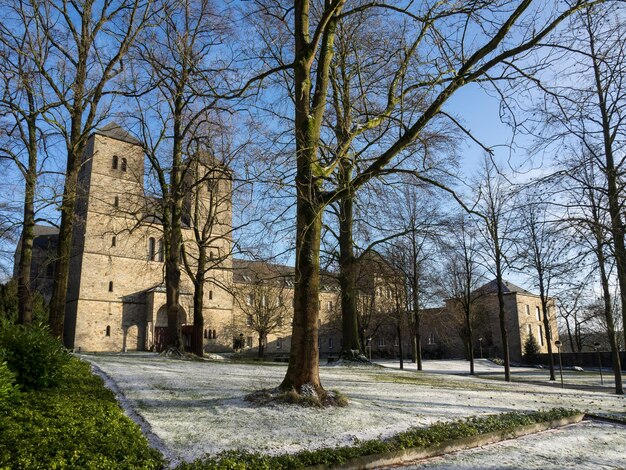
(248, 272)
(114, 131)
(508, 288)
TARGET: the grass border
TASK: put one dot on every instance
(412, 444)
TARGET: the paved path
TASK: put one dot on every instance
(589, 445)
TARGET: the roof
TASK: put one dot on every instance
(249, 271)
(39, 230)
(508, 288)
(114, 131)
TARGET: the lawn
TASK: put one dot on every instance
(190, 409)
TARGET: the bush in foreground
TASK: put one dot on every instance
(76, 425)
(34, 356)
(8, 387)
(412, 438)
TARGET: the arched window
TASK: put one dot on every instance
(151, 248)
(110, 286)
(210, 295)
(113, 240)
(160, 250)
(108, 332)
(116, 201)
(206, 333)
(214, 334)
(114, 162)
(123, 164)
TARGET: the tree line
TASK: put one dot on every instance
(332, 107)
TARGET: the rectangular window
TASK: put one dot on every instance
(249, 341)
(210, 295)
(329, 306)
(330, 343)
(249, 320)
(530, 329)
(540, 334)
(110, 286)
(279, 343)
(249, 299)
(538, 313)
(113, 240)
(527, 309)
(381, 341)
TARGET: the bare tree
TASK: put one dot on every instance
(507, 31)
(177, 87)
(21, 107)
(462, 276)
(86, 44)
(264, 307)
(544, 247)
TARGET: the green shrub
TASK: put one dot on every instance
(32, 354)
(78, 425)
(412, 438)
(8, 388)
(531, 349)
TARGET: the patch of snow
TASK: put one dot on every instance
(198, 408)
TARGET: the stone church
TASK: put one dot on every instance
(116, 292)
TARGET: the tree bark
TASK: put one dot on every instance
(198, 302)
(502, 315)
(347, 281)
(24, 290)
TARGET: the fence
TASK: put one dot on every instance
(584, 359)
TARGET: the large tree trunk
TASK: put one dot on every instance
(75, 150)
(304, 355)
(400, 350)
(24, 290)
(416, 306)
(502, 315)
(198, 303)
(347, 281)
(470, 340)
(547, 331)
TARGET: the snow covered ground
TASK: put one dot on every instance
(588, 445)
(198, 408)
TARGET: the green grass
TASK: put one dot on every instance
(412, 438)
(76, 425)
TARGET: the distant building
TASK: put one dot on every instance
(443, 328)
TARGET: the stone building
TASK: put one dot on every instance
(116, 292)
(442, 328)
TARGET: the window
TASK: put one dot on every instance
(110, 286)
(527, 309)
(530, 330)
(538, 313)
(123, 164)
(249, 320)
(214, 334)
(396, 343)
(211, 255)
(160, 250)
(540, 334)
(330, 343)
(108, 331)
(206, 334)
(381, 341)
(210, 295)
(279, 343)
(151, 248)
(114, 162)
(249, 299)
(116, 201)
(249, 341)
(329, 305)
(113, 240)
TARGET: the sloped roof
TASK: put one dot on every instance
(114, 131)
(249, 271)
(508, 288)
